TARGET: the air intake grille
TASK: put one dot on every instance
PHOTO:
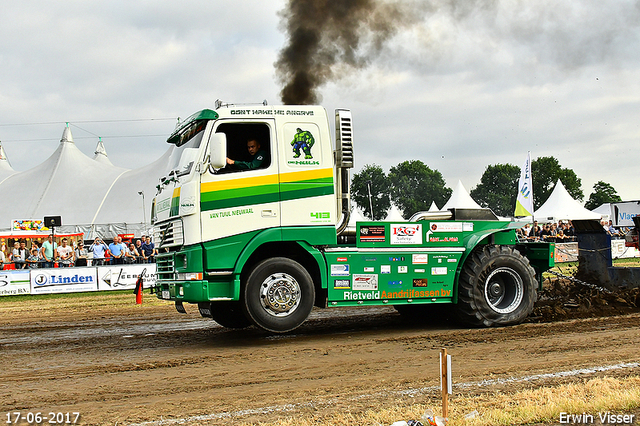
(165, 267)
(168, 234)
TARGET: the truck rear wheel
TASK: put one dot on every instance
(497, 287)
(227, 314)
(278, 295)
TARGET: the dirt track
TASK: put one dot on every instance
(125, 364)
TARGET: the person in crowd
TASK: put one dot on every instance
(33, 261)
(612, 230)
(131, 255)
(3, 259)
(535, 233)
(99, 249)
(65, 254)
(48, 252)
(148, 251)
(139, 247)
(81, 254)
(117, 250)
(19, 255)
(545, 234)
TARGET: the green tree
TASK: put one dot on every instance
(371, 177)
(545, 173)
(414, 186)
(602, 193)
(498, 189)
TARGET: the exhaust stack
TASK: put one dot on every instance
(343, 156)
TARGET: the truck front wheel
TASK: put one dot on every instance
(497, 287)
(227, 314)
(278, 295)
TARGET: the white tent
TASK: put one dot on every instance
(356, 216)
(603, 210)
(460, 199)
(90, 194)
(100, 155)
(560, 206)
(394, 215)
(434, 207)
(5, 167)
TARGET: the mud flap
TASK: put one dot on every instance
(205, 310)
(180, 307)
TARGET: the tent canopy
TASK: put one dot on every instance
(560, 206)
(460, 199)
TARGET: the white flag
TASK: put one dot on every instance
(524, 203)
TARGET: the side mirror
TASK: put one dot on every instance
(218, 150)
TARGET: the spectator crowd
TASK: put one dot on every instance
(562, 231)
(49, 254)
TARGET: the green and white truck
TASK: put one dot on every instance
(262, 246)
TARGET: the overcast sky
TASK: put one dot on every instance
(469, 84)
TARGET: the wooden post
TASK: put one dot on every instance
(444, 381)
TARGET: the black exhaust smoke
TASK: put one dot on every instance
(323, 33)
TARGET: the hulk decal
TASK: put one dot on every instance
(302, 140)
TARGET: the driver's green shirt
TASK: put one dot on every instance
(257, 161)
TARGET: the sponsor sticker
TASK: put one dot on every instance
(339, 270)
(419, 270)
(446, 227)
(439, 270)
(365, 282)
(385, 269)
(371, 234)
(342, 284)
(420, 282)
(402, 269)
(369, 269)
(406, 233)
(418, 259)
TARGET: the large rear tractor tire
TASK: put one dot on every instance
(227, 314)
(497, 287)
(278, 295)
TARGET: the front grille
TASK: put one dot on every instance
(169, 234)
(165, 266)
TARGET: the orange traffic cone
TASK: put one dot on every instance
(138, 290)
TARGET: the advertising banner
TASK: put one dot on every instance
(63, 280)
(123, 277)
(623, 213)
(14, 283)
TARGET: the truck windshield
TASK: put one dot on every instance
(185, 155)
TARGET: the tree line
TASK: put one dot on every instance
(412, 186)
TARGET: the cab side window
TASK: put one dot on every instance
(248, 146)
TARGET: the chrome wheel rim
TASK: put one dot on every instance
(280, 294)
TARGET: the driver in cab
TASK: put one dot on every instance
(258, 157)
